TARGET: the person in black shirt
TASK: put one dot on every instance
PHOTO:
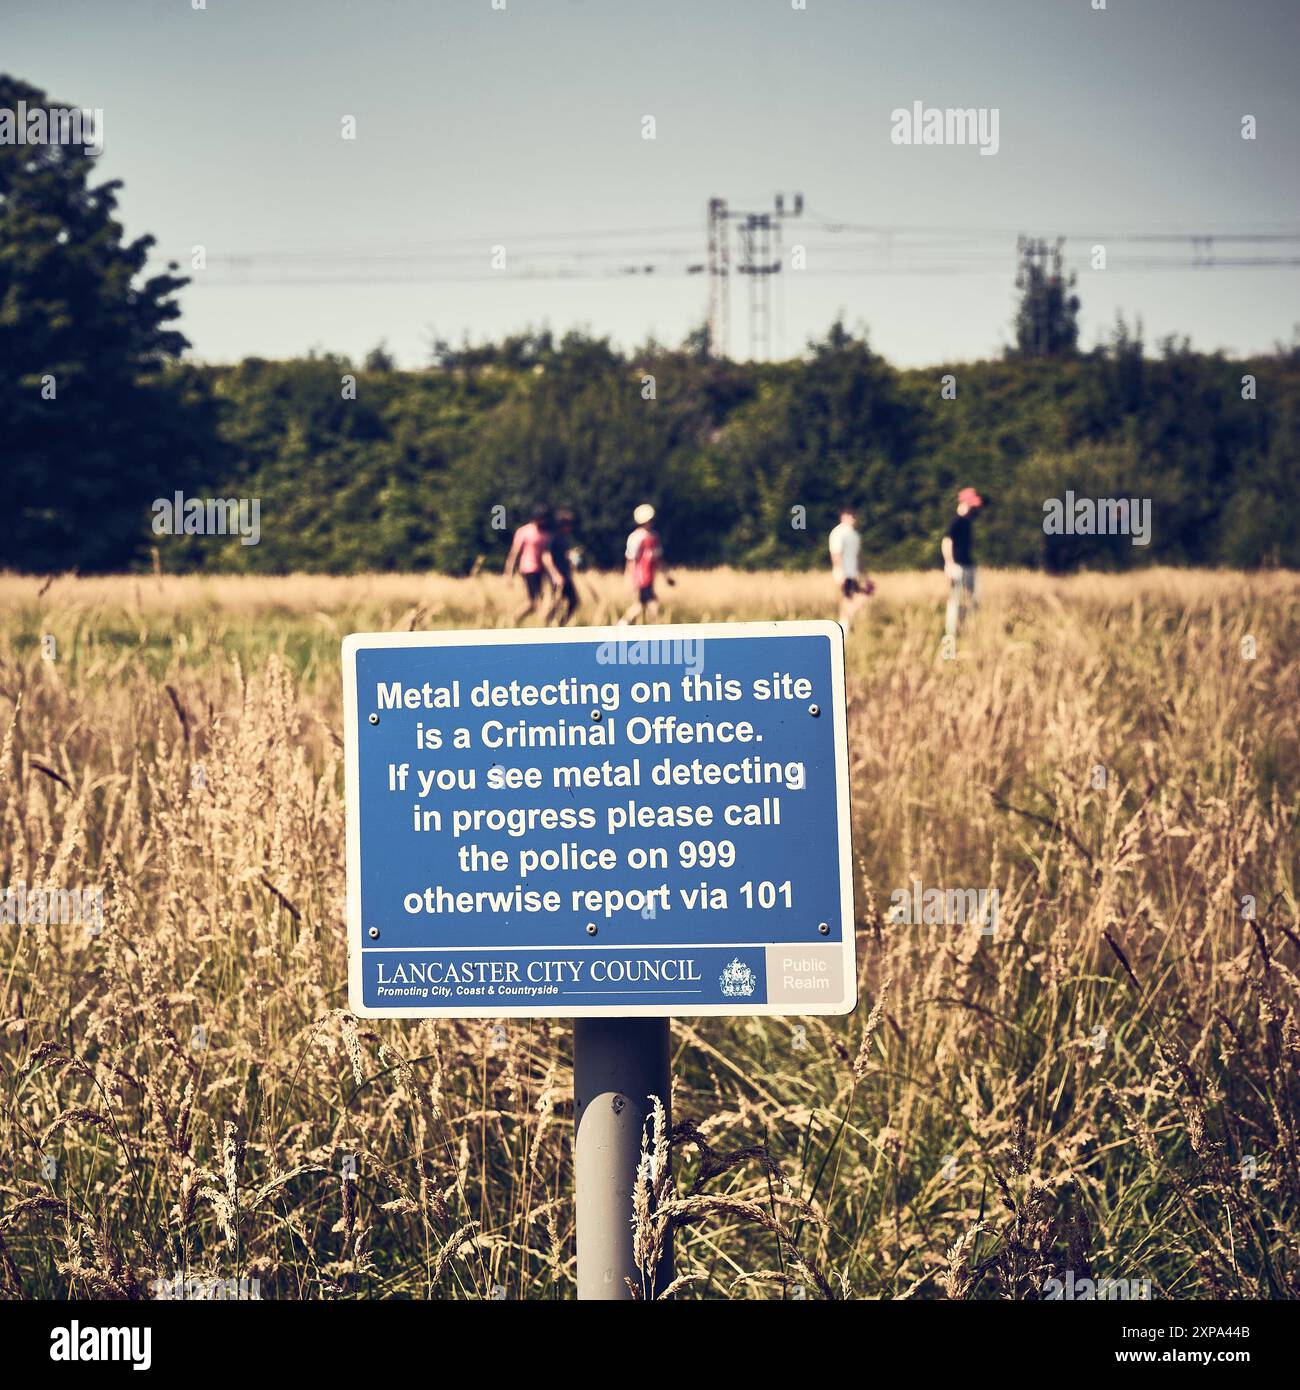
(563, 555)
(959, 560)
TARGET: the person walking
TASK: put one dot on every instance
(845, 548)
(644, 557)
(530, 554)
(565, 556)
(958, 551)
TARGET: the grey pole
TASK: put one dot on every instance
(618, 1063)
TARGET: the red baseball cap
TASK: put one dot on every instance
(970, 497)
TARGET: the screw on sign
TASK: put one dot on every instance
(609, 824)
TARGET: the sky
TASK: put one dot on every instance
(523, 128)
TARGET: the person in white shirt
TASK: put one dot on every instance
(845, 547)
(645, 562)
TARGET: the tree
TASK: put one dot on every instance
(1047, 319)
(93, 426)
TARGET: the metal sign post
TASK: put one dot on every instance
(618, 1064)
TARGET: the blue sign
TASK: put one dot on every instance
(622, 821)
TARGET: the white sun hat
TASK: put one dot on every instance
(643, 514)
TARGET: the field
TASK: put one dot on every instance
(1104, 1088)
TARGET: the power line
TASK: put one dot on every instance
(854, 249)
(838, 273)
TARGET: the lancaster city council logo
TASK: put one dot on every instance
(738, 980)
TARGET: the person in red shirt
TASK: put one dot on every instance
(645, 561)
(530, 553)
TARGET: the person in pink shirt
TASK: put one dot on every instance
(530, 554)
(645, 558)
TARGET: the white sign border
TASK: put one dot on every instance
(662, 632)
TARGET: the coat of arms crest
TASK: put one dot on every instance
(738, 980)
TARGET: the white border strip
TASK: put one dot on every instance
(661, 632)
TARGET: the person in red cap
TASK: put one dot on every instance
(959, 560)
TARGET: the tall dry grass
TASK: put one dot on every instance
(1107, 1085)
